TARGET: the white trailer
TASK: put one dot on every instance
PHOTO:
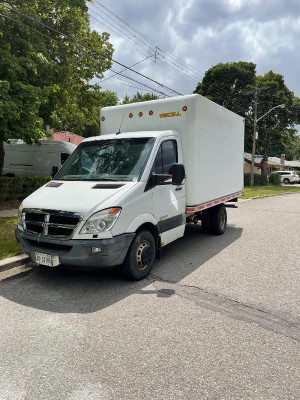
(124, 195)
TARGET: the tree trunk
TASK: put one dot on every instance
(264, 165)
(2, 154)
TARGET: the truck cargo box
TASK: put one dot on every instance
(212, 140)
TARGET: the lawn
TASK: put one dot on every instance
(8, 243)
(271, 190)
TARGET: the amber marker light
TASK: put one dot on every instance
(103, 119)
(130, 115)
(151, 112)
(184, 108)
(140, 114)
(114, 210)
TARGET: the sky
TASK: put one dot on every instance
(175, 42)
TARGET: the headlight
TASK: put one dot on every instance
(20, 210)
(102, 221)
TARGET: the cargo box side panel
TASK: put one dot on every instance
(213, 153)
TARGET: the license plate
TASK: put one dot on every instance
(45, 259)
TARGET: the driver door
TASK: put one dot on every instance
(168, 199)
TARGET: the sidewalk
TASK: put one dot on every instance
(9, 213)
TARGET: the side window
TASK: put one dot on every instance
(166, 156)
(63, 157)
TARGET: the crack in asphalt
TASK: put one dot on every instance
(231, 308)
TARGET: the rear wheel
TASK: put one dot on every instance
(286, 181)
(140, 257)
(206, 220)
(218, 220)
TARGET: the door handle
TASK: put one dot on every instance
(178, 188)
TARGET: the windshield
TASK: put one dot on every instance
(107, 160)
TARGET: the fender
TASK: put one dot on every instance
(140, 220)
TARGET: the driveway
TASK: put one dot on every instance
(217, 319)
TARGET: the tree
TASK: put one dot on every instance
(289, 144)
(225, 84)
(231, 85)
(279, 122)
(108, 99)
(139, 97)
(46, 76)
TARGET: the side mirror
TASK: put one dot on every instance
(178, 174)
(54, 170)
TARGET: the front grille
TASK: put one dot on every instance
(50, 223)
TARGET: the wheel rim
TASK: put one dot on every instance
(143, 255)
(222, 220)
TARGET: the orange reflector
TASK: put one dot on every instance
(130, 115)
(103, 118)
(140, 114)
(151, 112)
(184, 108)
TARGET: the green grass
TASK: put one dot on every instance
(8, 243)
(271, 190)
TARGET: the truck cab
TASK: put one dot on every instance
(112, 191)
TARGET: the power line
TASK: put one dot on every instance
(75, 40)
(126, 30)
(116, 72)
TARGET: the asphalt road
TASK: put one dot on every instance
(217, 319)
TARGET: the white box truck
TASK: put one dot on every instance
(23, 159)
(122, 196)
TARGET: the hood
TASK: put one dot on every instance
(77, 196)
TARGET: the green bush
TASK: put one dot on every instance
(274, 179)
(259, 180)
(17, 188)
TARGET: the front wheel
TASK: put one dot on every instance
(140, 257)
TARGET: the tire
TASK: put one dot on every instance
(140, 257)
(206, 220)
(286, 181)
(218, 220)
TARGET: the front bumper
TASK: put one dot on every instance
(78, 253)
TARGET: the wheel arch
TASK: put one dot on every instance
(146, 222)
(143, 222)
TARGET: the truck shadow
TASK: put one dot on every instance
(66, 291)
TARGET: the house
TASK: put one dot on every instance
(65, 136)
(274, 163)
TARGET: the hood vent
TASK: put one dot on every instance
(54, 184)
(108, 186)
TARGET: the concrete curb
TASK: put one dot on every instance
(13, 262)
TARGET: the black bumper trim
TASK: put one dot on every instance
(78, 252)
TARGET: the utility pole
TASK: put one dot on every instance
(255, 101)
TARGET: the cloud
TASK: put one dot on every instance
(202, 33)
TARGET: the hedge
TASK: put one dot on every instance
(17, 188)
(275, 179)
(259, 180)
